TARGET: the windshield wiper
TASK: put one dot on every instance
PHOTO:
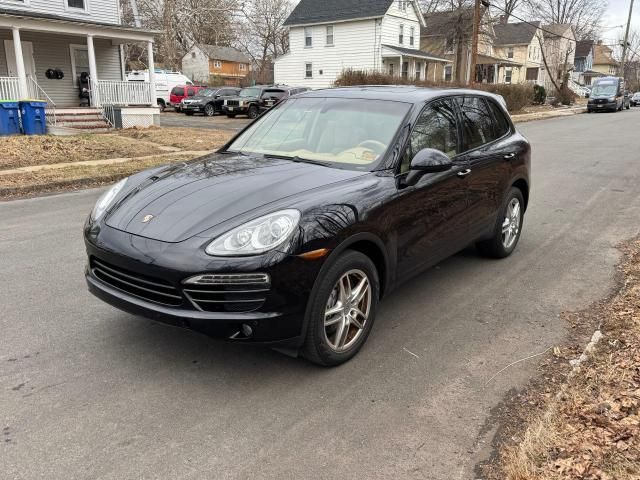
(297, 159)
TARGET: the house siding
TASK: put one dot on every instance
(104, 11)
(356, 45)
(197, 69)
(52, 51)
(391, 27)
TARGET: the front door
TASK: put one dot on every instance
(27, 54)
(432, 223)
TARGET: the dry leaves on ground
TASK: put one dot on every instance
(183, 138)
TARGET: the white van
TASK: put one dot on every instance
(165, 81)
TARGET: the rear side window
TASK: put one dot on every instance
(502, 126)
(273, 94)
(191, 92)
(177, 91)
(477, 122)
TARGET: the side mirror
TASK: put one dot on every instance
(427, 160)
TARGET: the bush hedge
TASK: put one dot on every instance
(516, 96)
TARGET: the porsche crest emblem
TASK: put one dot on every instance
(147, 218)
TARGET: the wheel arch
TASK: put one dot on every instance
(522, 185)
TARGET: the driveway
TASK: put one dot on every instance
(217, 122)
(87, 391)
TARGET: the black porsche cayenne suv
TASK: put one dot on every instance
(291, 233)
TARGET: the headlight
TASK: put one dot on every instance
(612, 99)
(258, 236)
(241, 103)
(105, 200)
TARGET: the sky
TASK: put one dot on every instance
(617, 14)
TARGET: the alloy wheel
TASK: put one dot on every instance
(511, 224)
(347, 310)
(209, 110)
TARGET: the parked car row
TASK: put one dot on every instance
(230, 101)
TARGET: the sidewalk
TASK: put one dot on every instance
(558, 112)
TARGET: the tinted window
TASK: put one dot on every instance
(435, 128)
(191, 92)
(502, 124)
(178, 91)
(477, 121)
(273, 94)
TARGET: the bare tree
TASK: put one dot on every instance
(506, 8)
(584, 15)
(261, 33)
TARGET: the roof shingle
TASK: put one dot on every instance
(308, 12)
(229, 54)
(515, 33)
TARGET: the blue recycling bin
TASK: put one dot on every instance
(34, 119)
(9, 118)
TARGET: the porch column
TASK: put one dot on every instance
(93, 71)
(23, 88)
(152, 75)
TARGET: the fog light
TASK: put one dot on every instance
(247, 330)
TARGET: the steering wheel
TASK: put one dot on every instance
(376, 146)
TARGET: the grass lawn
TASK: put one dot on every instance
(182, 138)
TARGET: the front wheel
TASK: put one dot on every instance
(209, 110)
(342, 310)
(508, 227)
(253, 112)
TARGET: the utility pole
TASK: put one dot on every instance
(626, 39)
(474, 41)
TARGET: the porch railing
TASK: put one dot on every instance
(36, 92)
(9, 88)
(111, 92)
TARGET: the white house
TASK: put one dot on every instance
(48, 44)
(329, 36)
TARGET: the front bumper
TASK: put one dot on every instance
(192, 108)
(234, 109)
(594, 107)
(278, 321)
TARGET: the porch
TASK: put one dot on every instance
(45, 58)
(498, 70)
(411, 63)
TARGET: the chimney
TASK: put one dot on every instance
(503, 19)
(600, 42)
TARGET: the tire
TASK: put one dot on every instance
(322, 345)
(177, 109)
(162, 106)
(627, 106)
(209, 110)
(500, 245)
(253, 112)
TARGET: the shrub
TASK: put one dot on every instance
(516, 96)
(565, 96)
(539, 94)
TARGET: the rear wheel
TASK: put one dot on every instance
(508, 227)
(209, 110)
(342, 310)
(253, 112)
(161, 105)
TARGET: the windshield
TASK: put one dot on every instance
(337, 131)
(605, 88)
(207, 93)
(250, 92)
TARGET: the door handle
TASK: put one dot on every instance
(464, 173)
(509, 156)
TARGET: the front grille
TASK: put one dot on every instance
(227, 293)
(601, 100)
(147, 288)
(233, 103)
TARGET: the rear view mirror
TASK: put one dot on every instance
(427, 160)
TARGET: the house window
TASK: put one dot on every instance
(193, 54)
(403, 5)
(308, 37)
(448, 73)
(412, 35)
(80, 4)
(401, 35)
(329, 34)
(243, 67)
(448, 45)
(405, 69)
(507, 75)
(419, 71)
(308, 70)
(532, 74)
(510, 52)
(391, 69)
(217, 64)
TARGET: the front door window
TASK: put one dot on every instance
(79, 62)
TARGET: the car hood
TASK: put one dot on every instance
(184, 200)
(245, 99)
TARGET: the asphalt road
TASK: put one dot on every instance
(88, 392)
(217, 122)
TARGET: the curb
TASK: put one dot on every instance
(530, 117)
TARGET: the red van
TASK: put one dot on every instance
(180, 92)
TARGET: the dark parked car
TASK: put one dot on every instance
(180, 92)
(209, 101)
(635, 99)
(274, 95)
(608, 94)
(246, 103)
(291, 233)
